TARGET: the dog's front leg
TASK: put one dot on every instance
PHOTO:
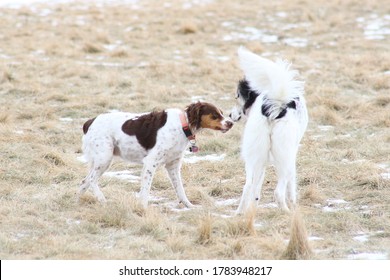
(173, 169)
(148, 171)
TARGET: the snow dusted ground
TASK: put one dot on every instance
(20, 3)
(374, 27)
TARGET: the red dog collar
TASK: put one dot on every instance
(187, 131)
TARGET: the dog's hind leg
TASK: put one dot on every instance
(99, 164)
(292, 187)
(92, 181)
(252, 189)
(286, 187)
(255, 152)
(85, 184)
(173, 169)
(284, 150)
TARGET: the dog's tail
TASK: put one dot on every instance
(276, 81)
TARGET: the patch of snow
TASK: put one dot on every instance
(227, 23)
(195, 159)
(281, 14)
(314, 238)
(66, 120)
(326, 127)
(20, 235)
(123, 175)
(258, 225)
(368, 256)
(251, 34)
(227, 202)
(375, 27)
(358, 161)
(17, 4)
(296, 25)
(220, 58)
(361, 237)
(315, 137)
(112, 47)
(269, 205)
(296, 42)
(336, 201)
(335, 205)
(196, 98)
(105, 64)
(156, 198)
(189, 4)
(73, 222)
(386, 167)
(385, 176)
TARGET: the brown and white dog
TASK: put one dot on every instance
(152, 139)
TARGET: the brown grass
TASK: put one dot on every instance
(205, 229)
(298, 247)
(58, 70)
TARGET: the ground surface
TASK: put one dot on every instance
(63, 63)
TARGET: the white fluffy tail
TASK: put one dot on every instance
(273, 79)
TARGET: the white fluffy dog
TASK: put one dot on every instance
(272, 100)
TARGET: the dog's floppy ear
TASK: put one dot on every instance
(194, 113)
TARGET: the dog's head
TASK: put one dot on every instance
(245, 97)
(206, 115)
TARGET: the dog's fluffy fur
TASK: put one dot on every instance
(271, 99)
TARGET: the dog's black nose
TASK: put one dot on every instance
(229, 124)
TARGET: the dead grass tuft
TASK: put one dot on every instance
(4, 117)
(6, 77)
(92, 48)
(188, 28)
(111, 215)
(242, 225)
(120, 53)
(382, 101)
(311, 194)
(298, 247)
(205, 229)
(152, 223)
(54, 158)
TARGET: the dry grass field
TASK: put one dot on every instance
(63, 63)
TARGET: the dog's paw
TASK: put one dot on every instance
(188, 204)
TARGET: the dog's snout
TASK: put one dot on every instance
(229, 124)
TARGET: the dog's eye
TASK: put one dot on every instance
(214, 117)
